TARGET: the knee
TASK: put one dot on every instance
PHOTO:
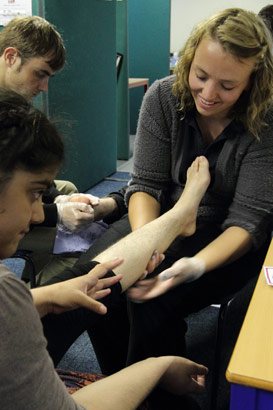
(66, 187)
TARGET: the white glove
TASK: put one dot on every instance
(94, 200)
(184, 270)
(74, 215)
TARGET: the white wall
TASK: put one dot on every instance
(186, 13)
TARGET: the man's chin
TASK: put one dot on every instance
(34, 96)
(28, 96)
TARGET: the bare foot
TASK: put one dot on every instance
(198, 179)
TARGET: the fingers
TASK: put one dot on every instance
(106, 282)
(61, 199)
(84, 291)
(185, 269)
(167, 274)
(184, 376)
(101, 269)
(198, 379)
(94, 200)
(101, 294)
(79, 198)
(72, 296)
(143, 276)
(175, 270)
(200, 369)
(83, 208)
(85, 198)
(196, 385)
(82, 300)
(155, 260)
(149, 289)
(73, 215)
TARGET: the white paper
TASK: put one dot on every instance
(14, 8)
(268, 272)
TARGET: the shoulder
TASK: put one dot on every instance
(269, 116)
(159, 98)
(11, 287)
(18, 317)
(266, 134)
(247, 141)
(16, 303)
(162, 86)
(30, 381)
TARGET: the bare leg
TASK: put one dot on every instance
(198, 179)
(137, 248)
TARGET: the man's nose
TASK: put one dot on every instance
(43, 86)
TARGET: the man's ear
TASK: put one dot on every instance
(11, 54)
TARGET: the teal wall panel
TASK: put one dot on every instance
(36, 7)
(122, 88)
(85, 97)
(40, 101)
(84, 93)
(149, 46)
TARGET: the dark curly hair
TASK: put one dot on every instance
(28, 140)
(266, 13)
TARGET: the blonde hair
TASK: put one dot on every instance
(242, 34)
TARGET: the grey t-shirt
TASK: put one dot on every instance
(28, 378)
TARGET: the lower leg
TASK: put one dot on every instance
(61, 331)
(137, 248)
(111, 351)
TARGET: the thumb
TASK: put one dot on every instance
(176, 269)
(94, 200)
(200, 369)
(82, 207)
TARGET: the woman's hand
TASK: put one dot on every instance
(82, 291)
(153, 263)
(183, 270)
(183, 376)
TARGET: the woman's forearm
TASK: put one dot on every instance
(41, 299)
(233, 243)
(143, 208)
(124, 390)
(127, 389)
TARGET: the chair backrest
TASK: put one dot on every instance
(26, 255)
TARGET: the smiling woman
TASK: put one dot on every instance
(218, 105)
(217, 79)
